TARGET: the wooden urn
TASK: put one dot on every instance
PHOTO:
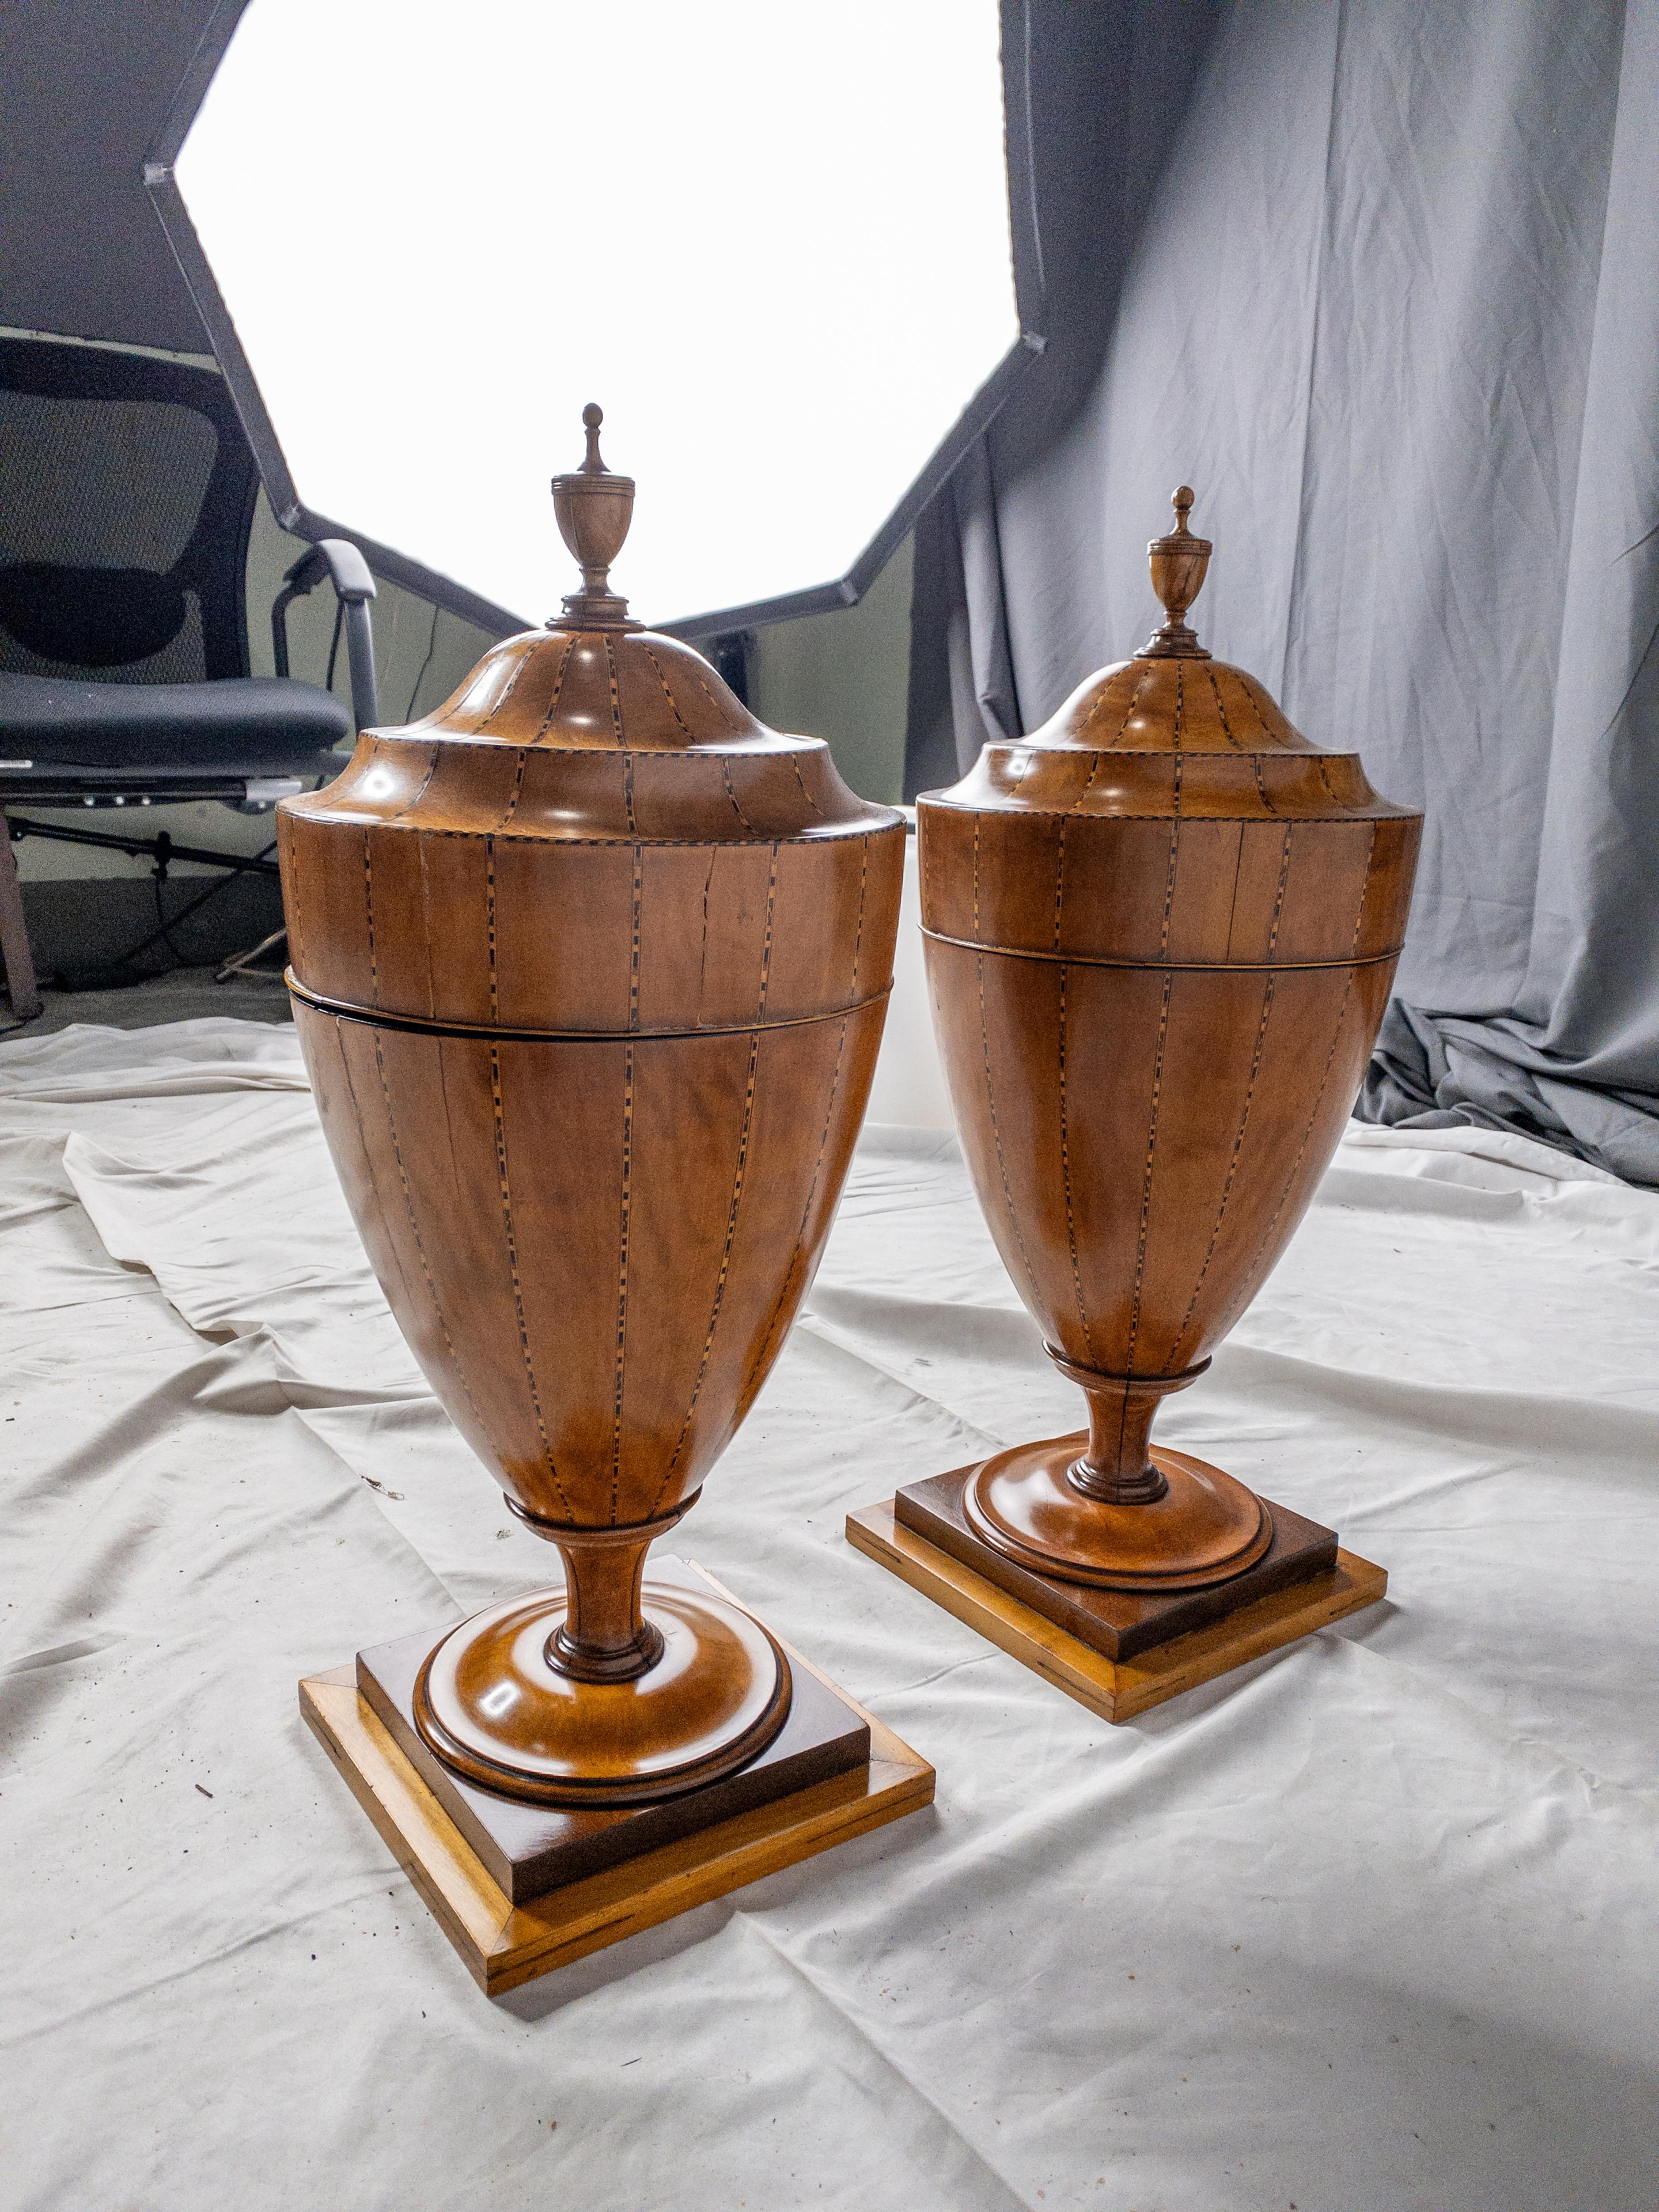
(1159, 936)
(589, 969)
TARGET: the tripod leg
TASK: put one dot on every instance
(243, 963)
(14, 932)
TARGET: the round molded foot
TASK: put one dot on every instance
(492, 1707)
(1205, 1528)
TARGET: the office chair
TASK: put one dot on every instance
(127, 500)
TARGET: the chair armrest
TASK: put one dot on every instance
(338, 560)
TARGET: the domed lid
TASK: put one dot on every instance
(1172, 696)
(595, 678)
(594, 836)
(1171, 730)
(595, 728)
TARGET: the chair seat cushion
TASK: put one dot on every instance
(243, 726)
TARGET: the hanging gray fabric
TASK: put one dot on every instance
(1393, 308)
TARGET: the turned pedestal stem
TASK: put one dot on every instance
(1112, 1515)
(605, 1637)
(558, 1696)
(1117, 1467)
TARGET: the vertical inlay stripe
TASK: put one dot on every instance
(1330, 1062)
(409, 1208)
(732, 793)
(1250, 1095)
(794, 762)
(736, 1200)
(1221, 709)
(518, 788)
(1279, 894)
(616, 694)
(1146, 1188)
(635, 935)
(404, 814)
(368, 916)
(504, 1181)
(798, 1258)
(558, 686)
(858, 933)
(627, 795)
(1232, 1169)
(996, 1132)
(490, 919)
(1101, 751)
(1065, 1172)
(673, 703)
(512, 685)
(622, 1274)
(1175, 853)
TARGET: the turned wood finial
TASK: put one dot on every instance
(1178, 563)
(594, 507)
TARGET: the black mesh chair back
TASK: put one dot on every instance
(126, 498)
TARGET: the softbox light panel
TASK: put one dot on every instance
(772, 240)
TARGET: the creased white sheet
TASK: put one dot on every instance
(1371, 1926)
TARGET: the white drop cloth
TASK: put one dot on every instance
(1371, 1926)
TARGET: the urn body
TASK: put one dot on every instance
(1160, 934)
(591, 1023)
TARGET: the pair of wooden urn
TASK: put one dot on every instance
(590, 971)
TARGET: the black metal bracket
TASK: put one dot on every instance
(160, 849)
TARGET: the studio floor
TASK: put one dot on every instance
(182, 995)
(1371, 1926)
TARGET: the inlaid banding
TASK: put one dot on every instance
(1161, 966)
(376, 1017)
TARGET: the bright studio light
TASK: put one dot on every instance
(770, 239)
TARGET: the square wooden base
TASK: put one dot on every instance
(503, 1944)
(1118, 1624)
(1116, 1689)
(527, 1849)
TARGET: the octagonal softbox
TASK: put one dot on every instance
(774, 242)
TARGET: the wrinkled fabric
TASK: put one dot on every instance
(1394, 313)
(1433, 1071)
(1371, 1926)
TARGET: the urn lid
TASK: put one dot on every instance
(1173, 696)
(1171, 730)
(594, 836)
(593, 677)
(596, 726)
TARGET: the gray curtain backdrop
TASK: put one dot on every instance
(1380, 278)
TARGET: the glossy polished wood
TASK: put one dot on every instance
(531, 1848)
(590, 968)
(1160, 935)
(503, 1944)
(1116, 1689)
(1118, 1623)
(494, 1702)
(1024, 1503)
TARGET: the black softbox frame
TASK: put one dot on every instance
(102, 95)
